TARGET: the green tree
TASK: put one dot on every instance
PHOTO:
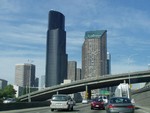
(9, 91)
(1, 93)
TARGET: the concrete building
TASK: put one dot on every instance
(3, 83)
(43, 81)
(25, 75)
(72, 67)
(108, 63)
(94, 54)
(36, 84)
(78, 74)
(19, 90)
(56, 57)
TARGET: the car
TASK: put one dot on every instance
(9, 100)
(104, 98)
(120, 105)
(97, 103)
(85, 101)
(61, 102)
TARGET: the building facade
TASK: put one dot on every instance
(72, 67)
(3, 83)
(25, 75)
(56, 57)
(78, 73)
(94, 54)
(108, 63)
(43, 81)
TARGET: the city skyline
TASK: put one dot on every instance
(23, 35)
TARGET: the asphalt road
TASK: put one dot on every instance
(79, 108)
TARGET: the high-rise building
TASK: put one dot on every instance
(36, 83)
(94, 54)
(108, 63)
(56, 57)
(78, 76)
(72, 67)
(43, 81)
(3, 83)
(25, 75)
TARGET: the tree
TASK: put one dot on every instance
(9, 92)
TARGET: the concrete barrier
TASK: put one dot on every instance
(22, 105)
(142, 98)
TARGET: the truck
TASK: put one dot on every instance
(123, 90)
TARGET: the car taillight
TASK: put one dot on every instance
(131, 106)
(111, 106)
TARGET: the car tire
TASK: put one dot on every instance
(52, 109)
(91, 108)
(72, 108)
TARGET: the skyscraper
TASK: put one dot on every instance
(43, 81)
(56, 57)
(78, 74)
(94, 54)
(72, 67)
(25, 75)
(3, 83)
(108, 63)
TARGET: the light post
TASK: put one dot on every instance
(129, 58)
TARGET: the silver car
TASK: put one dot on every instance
(119, 105)
(61, 102)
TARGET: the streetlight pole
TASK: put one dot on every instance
(129, 58)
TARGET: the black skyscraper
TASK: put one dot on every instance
(56, 57)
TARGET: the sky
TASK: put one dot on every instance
(24, 24)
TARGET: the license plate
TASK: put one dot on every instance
(97, 105)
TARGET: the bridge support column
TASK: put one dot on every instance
(87, 92)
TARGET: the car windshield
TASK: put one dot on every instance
(98, 100)
(120, 100)
(59, 98)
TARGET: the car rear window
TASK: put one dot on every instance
(120, 100)
(59, 98)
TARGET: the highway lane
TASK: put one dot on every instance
(79, 108)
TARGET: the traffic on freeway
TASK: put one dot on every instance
(78, 108)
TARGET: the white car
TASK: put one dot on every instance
(9, 100)
(85, 101)
(61, 102)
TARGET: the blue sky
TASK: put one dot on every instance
(24, 26)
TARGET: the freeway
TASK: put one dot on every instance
(79, 108)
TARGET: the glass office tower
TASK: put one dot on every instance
(56, 57)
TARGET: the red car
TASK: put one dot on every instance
(97, 103)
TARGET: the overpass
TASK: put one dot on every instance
(89, 84)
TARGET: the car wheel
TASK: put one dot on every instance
(91, 108)
(52, 109)
(72, 108)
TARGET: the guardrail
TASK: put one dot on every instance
(22, 105)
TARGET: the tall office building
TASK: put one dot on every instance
(94, 54)
(43, 81)
(72, 67)
(78, 74)
(108, 63)
(25, 75)
(36, 82)
(3, 83)
(56, 57)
